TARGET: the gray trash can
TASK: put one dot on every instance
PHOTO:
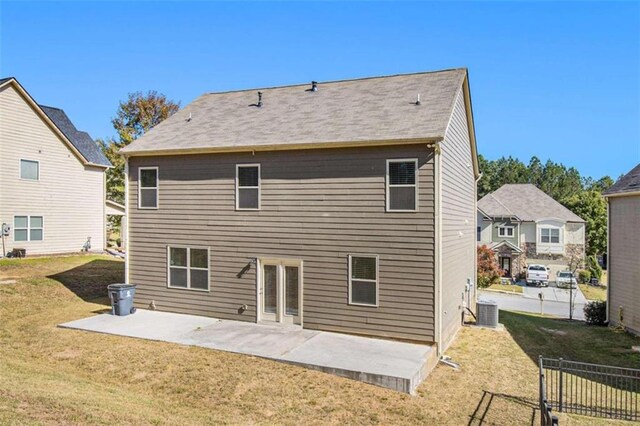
(121, 296)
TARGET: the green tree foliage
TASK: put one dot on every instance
(135, 116)
(590, 206)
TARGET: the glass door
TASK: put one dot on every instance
(280, 291)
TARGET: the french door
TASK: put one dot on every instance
(280, 291)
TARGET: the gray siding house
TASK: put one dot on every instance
(523, 225)
(623, 258)
(52, 178)
(346, 206)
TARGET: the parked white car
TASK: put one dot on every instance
(537, 275)
(565, 279)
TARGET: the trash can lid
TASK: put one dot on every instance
(120, 286)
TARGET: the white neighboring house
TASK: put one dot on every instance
(52, 178)
(523, 225)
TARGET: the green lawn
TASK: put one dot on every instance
(51, 375)
(593, 293)
(511, 288)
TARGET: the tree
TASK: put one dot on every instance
(590, 206)
(135, 116)
(489, 271)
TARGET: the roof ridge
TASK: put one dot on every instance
(338, 81)
(500, 202)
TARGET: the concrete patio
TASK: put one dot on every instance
(395, 365)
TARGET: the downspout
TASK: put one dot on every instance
(475, 254)
(608, 311)
(126, 219)
(438, 249)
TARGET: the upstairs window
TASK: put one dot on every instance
(28, 228)
(148, 187)
(402, 191)
(29, 170)
(505, 231)
(479, 233)
(363, 280)
(248, 187)
(188, 268)
(550, 235)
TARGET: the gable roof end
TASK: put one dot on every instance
(368, 111)
(627, 184)
(80, 143)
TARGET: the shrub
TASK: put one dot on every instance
(584, 276)
(594, 267)
(488, 270)
(595, 313)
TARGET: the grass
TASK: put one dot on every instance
(59, 376)
(511, 288)
(593, 293)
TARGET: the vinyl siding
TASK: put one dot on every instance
(69, 196)
(624, 260)
(458, 221)
(317, 206)
(495, 231)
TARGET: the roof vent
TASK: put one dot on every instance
(314, 86)
(259, 104)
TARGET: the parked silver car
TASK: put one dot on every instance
(565, 279)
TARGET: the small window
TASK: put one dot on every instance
(188, 268)
(148, 188)
(28, 228)
(550, 235)
(29, 170)
(505, 231)
(363, 280)
(402, 191)
(248, 187)
(479, 233)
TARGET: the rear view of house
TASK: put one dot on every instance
(346, 206)
(52, 178)
(623, 258)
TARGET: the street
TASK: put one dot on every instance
(516, 302)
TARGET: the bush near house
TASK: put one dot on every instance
(595, 313)
(489, 271)
(584, 276)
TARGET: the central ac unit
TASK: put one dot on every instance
(487, 313)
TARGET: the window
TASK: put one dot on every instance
(550, 235)
(505, 231)
(148, 188)
(29, 170)
(363, 280)
(188, 268)
(479, 233)
(28, 228)
(248, 187)
(402, 191)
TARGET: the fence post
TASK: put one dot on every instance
(561, 386)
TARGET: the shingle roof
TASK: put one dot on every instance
(526, 202)
(627, 183)
(370, 109)
(81, 140)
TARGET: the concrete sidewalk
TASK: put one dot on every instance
(395, 365)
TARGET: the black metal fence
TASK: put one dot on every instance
(546, 418)
(589, 389)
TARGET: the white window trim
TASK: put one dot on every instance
(377, 280)
(560, 236)
(157, 187)
(501, 228)
(259, 187)
(28, 228)
(188, 268)
(388, 185)
(20, 170)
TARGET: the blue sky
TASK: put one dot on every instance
(556, 80)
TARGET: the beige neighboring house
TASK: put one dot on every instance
(346, 206)
(52, 178)
(623, 260)
(523, 225)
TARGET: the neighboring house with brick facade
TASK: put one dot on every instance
(523, 225)
(623, 267)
